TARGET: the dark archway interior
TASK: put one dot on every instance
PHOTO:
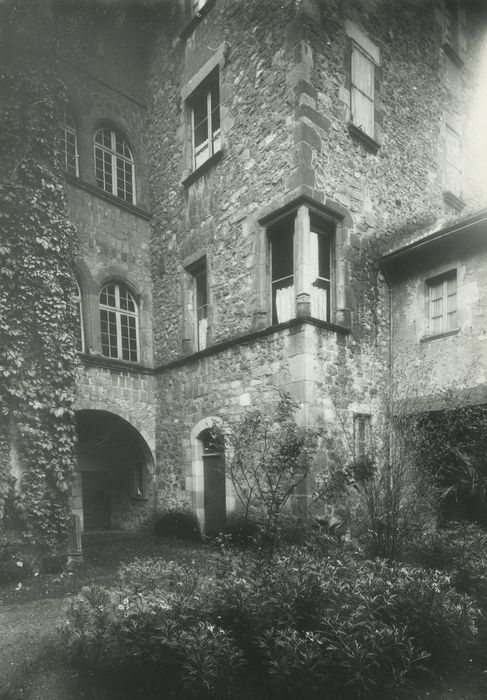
(112, 459)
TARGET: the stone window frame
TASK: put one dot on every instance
(189, 92)
(69, 129)
(191, 267)
(116, 158)
(441, 277)
(362, 435)
(303, 209)
(452, 19)
(452, 166)
(119, 313)
(358, 42)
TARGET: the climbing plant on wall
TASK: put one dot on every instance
(37, 313)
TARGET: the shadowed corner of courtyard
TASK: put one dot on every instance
(32, 664)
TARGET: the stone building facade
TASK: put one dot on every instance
(245, 179)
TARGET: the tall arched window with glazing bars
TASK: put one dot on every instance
(114, 164)
(119, 323)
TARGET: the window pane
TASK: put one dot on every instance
(282, 250)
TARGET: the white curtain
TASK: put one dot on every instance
(285, 304)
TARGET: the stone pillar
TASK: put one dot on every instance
(302, 262)
(75, 552)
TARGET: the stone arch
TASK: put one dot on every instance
(199, 496)
(113, 486)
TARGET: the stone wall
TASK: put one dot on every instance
(426, 366)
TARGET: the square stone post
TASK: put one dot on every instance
(302, 262)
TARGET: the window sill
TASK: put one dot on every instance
(452, 55)
(209, 163)
(436, 336)
(113, 364)
(196, 19)
(356, 132)
(97, 192)
(453, 201)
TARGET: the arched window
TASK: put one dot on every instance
(118, 321)
(70, 145)
(80, 336)
(114, 165)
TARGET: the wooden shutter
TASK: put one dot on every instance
(362, 92)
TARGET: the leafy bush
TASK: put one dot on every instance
(179, 523)
(15, 564)
(299, 624)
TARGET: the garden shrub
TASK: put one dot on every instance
(179, 523)
(301, 624)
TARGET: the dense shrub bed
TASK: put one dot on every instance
(300, 625)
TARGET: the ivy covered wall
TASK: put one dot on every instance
(37, 315)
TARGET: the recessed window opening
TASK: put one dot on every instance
(118, 320)
(453, 172)
(70, 145)
(205, 116)
(114, 165)
(200, 294)
(442, 297)
(452, 23)
(362, 90)
(362, 434)
(281, 237)
(80, 336)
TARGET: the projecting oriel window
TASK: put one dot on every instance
(442, 302)
(205, 119)
(70, 145)
(118, 321)
(114, 165)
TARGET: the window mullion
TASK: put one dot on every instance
(210, 130)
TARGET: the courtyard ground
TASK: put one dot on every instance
(32, 666)
(31, 661)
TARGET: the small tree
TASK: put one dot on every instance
(267, 457)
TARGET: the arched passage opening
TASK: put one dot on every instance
(111, 487)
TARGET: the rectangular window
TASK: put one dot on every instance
(205, 120)
(453, 153)
(362, 434)
(452, 24)
(320, 260)
(442, 302)
(281, 237)
(200, 304)
(362, 90)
